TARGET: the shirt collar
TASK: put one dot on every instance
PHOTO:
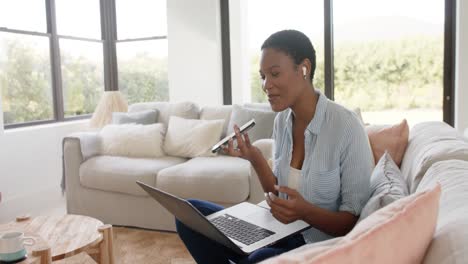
(320, 110)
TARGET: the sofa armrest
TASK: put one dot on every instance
(89, 142)
(256, 190)
(77, 148)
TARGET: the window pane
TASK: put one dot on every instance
(389, 59)
(266, 17)
(143, 70)
(82, 75)
(141, 18)
(78, 18)
(27, 15)
(25, 78)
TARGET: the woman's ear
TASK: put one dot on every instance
(306, 66)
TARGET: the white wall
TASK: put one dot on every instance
(195, 63)
(461, 94)
(31, 168)
(1, 114)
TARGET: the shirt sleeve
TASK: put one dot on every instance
(356, 167)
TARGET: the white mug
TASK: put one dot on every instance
(12, 245)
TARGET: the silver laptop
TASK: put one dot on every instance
(244, 227)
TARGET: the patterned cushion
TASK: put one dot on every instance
(387, 185)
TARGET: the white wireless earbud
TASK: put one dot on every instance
(304, 72)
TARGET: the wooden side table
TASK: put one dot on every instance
(59, 237)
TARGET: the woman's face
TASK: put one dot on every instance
(281, 79)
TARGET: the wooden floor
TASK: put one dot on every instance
(148, 247)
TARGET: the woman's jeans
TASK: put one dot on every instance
(206, 251)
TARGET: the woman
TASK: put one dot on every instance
(322, 156)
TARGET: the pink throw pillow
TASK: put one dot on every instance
(398, 233)
(393, 139)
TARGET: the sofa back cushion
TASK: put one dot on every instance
(429, 143)
(188, 110)
(397, 233)
(217, 112)
(450, 242)
(145, 117)
(264, 121)
(391, 138)
(387, 185)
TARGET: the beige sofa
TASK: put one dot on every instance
(436, 152)
(104, 186)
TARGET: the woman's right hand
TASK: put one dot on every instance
(244, 149)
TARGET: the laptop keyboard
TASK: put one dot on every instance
(240, 230)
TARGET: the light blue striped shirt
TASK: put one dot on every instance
(337, 164)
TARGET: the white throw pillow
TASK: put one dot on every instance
(133, 140)
(192, 137)
(386, 186)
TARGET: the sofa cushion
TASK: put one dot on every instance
(387, 185)
(450, 242)
(429, 143)
(192, 137)
(398, 233)
(119, 174)
(221, 179)
(144, 117)
(217, 112)
(264, 121)
(393, 139)
(186, 110)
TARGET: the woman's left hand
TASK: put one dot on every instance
(288, 210)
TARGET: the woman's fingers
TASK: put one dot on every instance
(247, 140)
(280, 217)
(230, 149)
(281, 209)
(240, 140)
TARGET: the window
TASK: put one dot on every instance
(389, 60)
(71, 21)
(142, 50)
(52, 63)
(14, 15)
(265, 17)
(81, 55)
(25, 68)
(143, 70)
(25, 78)
(82, 75)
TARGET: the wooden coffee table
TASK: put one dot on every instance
(58, 237)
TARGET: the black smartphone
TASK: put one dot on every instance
(225, 140)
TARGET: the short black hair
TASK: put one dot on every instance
(295, 44)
